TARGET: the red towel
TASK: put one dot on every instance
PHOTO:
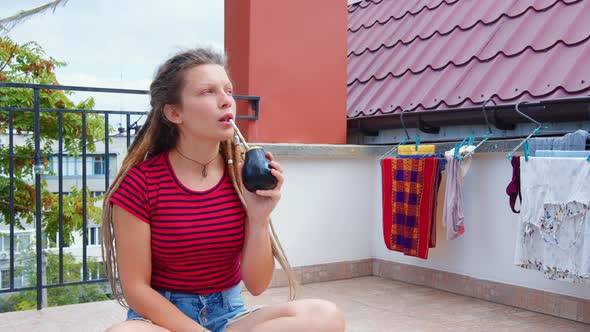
(409, 192)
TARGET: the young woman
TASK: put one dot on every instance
(186, 231)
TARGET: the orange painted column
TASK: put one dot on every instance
(293, 55)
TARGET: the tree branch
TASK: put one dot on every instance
(24, 208)
(10, 22)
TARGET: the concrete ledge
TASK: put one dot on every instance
(367, 151)
(323, 150)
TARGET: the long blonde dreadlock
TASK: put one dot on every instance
(158, 135)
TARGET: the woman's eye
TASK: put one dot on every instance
(229, 92)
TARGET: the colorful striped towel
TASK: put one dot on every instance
(410, 188)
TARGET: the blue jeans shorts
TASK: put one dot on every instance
(213, 311)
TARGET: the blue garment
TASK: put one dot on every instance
(213, 311)
(575, 141)
(565, 154)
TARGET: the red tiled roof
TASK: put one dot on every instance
(441, 54)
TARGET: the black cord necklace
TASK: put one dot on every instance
(204, 172)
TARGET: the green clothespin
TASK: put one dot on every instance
(525, 147)
(417, 142)
(588, 158)
(458, 149)
(463, 142)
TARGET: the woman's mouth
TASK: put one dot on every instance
(226, 118)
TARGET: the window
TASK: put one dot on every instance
(72, 165)
(4, 279)
(94, 236)
(4, 242)
(22, 241)
(50, 241)
(95, 271)
(98, 168)
(95, 194)
(20, 281)
(69, 166)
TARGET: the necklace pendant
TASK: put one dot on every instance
(204, 172)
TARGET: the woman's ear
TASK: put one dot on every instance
(172, 114)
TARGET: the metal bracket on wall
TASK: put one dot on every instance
(254, 101)
(499, 124)
(426, 128)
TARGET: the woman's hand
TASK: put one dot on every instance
(261, 204)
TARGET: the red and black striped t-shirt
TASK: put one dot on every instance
(196, 236)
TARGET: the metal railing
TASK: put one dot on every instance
(39, 171)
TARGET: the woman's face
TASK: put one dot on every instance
(206, 104)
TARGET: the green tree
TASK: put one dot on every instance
(27, 63)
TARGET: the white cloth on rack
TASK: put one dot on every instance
(453, 216)
(466, 163)
(554, 230)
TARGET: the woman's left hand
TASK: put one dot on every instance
(262, 203)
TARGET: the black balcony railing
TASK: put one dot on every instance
(129, 130)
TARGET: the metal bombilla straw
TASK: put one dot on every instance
(239, 134)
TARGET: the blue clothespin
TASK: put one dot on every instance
(456, 152)
(458, 148)
(588, 158)
(417, 142)
(525, 147)
(471, 139)
(463, 142)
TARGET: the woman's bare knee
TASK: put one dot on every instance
(136, 325)
(324, 316)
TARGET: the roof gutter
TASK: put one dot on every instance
(502, 116)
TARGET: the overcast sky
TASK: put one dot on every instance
(117, 43)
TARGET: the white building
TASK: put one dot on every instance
(72, 172)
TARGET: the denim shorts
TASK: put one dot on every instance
(213, 311)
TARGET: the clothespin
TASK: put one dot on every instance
(417, 142)
(458, 149)
(456, 152)
(471, 139)
(463, 142)
(525, 147)
(588, 158)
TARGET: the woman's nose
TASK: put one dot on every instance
(227, 101)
